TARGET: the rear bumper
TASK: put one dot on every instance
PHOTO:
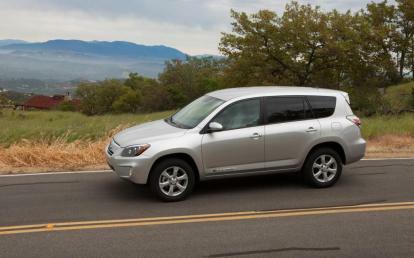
(133, 169)
(356, 151)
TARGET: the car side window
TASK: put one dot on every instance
(245, 113)
(286, 109)
(322, 106)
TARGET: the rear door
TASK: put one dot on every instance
(289, 130)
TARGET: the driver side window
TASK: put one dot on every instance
(245, 113)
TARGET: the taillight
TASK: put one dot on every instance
(354, 119)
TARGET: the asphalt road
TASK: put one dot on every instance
(369, 213)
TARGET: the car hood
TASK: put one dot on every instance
(147, 133)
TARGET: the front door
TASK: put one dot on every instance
(240, 145)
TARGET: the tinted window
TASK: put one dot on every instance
(245, 113)
(285, 109)
(322, 106)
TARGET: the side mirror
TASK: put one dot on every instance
(214, 127)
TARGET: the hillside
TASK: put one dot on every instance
(64, 60)
(120, 49)
(5, 42)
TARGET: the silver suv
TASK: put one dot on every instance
(240, 132)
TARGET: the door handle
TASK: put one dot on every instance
(256, 136)
(311, 130)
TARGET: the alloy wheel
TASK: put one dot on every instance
(173, 181)
(324, 168)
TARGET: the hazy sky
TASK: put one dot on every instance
(193, 26)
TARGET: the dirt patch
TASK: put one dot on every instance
(390, 146)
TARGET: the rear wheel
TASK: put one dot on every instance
(322, 168)
(172, 180)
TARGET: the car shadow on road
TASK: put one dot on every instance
(128, 191)
(250, 183)
(281, 181)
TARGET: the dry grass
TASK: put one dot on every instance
(38, 141)
(60, 155)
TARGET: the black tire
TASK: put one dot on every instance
(169, 164)
(309, 173)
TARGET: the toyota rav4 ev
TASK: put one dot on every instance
(240, 132)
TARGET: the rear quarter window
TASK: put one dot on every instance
(322, 106)
(286, 109)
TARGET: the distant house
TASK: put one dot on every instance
(47, 103)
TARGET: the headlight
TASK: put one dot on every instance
(133, 151)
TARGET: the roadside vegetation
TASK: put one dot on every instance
(368, 53)
(379, 126)
(56, 140)
(49, 126)
(52, 126)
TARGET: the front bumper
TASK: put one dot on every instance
(135, 169)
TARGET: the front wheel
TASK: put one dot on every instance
(172, 180)
(322, 168)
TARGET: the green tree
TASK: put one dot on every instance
(108, 92)
(98, 98)
(393, 32)
(267, 49)
(154, 96)
(308, 47)
(88, 95)
(187, 80)
(405, 39)
(129, 102)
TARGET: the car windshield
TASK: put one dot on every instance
(192, 114)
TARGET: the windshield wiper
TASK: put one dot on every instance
(171, 121)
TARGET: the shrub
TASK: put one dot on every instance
(127, 103)
(99, 98)
(399, 98)
(366, 102)
(67, 106)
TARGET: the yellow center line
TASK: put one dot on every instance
(48, 227)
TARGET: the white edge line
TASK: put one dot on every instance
(107, 171)
(408, 158)
(57, 173)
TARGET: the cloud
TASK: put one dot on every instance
(197, 13)
(192, 26)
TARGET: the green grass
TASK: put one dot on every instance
(377, 126)
(50, 125)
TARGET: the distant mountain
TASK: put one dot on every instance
(5, 42)
(101, 48)
(64, 60)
